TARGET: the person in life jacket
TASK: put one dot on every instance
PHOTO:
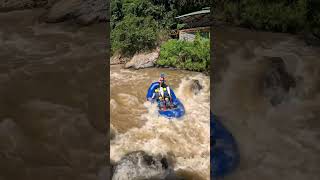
(168, 103)
(161, 103)
(156, 95)
(166, 92)
(164, 88)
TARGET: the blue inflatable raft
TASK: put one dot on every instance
(224, 154)
(176, 112)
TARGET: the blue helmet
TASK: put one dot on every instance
(162, 75)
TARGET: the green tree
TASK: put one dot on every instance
(134, 34)
(116, 12)
(272, 15)
(138, 25)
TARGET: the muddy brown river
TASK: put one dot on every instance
(266, 90)
(137, 126)
(52, 101)
(52, 123)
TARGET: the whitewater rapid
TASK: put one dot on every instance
(185, 140)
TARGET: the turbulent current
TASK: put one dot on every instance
(136, 125)
(267, 93)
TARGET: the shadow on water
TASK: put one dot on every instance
(266, 90)
(52, 103)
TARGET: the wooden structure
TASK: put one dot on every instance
(198, 21)
(190, 34)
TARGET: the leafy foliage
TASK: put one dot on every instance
(313, 17)
(134, 34)
(273, 15)
(188, 55)
(138, 25)
(279, 16)
(141, 25)
(184, 6)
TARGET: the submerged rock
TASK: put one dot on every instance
(140, 166)
(143, 60)
(196, 86)
(277, 81)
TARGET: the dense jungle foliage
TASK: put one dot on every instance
(273, 15)
(140, 25)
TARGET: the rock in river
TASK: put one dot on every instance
(140, 165)
(143, 60)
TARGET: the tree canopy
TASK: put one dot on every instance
(139, 25)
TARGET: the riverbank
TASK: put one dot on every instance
(173, 54)
(138, 64)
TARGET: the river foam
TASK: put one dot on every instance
(185, 140)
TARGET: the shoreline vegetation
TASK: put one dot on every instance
(141, 26)
(187, 55)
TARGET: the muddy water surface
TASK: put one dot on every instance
(137, 125)
(267, 93)
(52, 123)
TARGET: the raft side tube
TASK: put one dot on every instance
(170, 113)
(224, 152)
